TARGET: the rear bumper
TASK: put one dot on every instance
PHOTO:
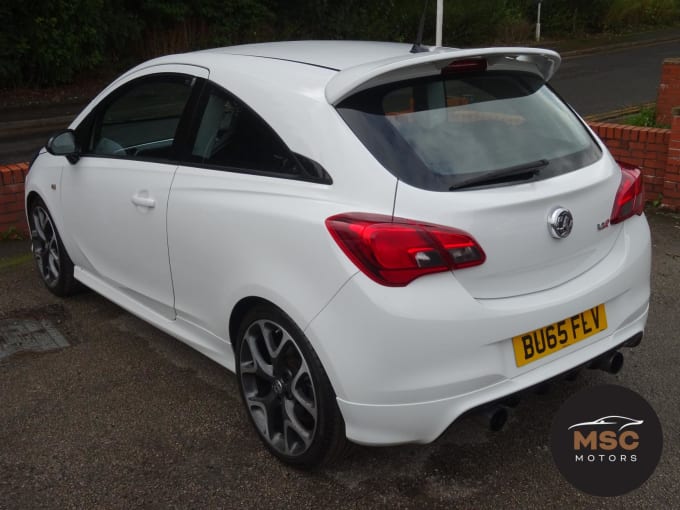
(423, 422)
(407, 362)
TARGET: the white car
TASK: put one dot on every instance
(376, 241)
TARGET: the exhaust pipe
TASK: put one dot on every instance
(611, 362)
(495, 417)
(633, 341)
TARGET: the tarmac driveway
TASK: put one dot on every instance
(128, 417)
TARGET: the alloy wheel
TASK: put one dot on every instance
(278, 388)
(45, 246)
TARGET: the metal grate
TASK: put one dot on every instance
(28, 335)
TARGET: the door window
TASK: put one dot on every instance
(141, 120)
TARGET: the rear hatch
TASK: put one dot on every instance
(510, 223)
(482, 144)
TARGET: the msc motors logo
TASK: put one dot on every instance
(606, 435)
(606, 440)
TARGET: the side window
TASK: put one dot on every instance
(231, 135)
(141, 121)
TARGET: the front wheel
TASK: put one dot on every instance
(54, 264)
(286, 391)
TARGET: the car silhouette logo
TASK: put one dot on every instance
(621, 421)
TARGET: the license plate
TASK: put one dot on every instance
(544, 341)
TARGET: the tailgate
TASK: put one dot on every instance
(511, 225)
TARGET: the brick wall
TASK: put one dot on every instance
(646, 148)
(668, 96)
(12, 214)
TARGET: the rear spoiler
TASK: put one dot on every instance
(541, 62)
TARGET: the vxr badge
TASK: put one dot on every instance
(603, 225)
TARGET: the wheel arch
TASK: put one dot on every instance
(239, 312)
(31, 198)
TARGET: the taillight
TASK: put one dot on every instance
(630, 197)
(396, 251)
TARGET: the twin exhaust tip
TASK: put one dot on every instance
(496, 415)
(610, 362)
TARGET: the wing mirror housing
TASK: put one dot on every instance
(64, 144)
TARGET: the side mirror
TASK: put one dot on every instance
(64, 144)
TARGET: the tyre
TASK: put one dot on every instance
(54, 264)
(286, 391)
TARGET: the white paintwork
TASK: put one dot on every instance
(113, 238)
(442, 352)
(415, 65)
(521, 258)
(404, 362)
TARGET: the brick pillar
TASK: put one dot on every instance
(669, 90)
(671, 183)
(12, 214)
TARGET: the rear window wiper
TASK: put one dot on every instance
(530, 169)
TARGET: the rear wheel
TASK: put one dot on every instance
(54, 264)
(286, 391)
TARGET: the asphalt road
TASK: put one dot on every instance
(604, 82)
(596, 83)
(127, 417)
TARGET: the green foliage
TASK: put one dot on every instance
(44, 42)
(627, 14)
(646, 117)
(11, 234)
(574, 16)
(50, 41)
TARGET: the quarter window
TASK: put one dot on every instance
(142, 121)
(230, 135)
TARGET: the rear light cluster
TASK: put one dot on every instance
(630, 197)
(396, 251)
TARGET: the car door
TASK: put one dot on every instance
(115, 197)
(239, 196)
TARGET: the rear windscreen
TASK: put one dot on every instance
(436, 132)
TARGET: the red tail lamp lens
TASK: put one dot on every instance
(630, 197)
(396, 251)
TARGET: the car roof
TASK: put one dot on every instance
(361, 64)
(335, 55)
(337, 69)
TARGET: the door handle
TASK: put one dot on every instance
(143, 201)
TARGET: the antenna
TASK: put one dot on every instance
(418, 45)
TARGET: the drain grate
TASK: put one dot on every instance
(29, 335)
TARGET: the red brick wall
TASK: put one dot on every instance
(669, 91)
(12, 214)
(646, 148)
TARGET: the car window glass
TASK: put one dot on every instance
(143, 120)
(436, 132)
(231, 135)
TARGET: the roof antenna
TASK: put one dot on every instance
(418, 45)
